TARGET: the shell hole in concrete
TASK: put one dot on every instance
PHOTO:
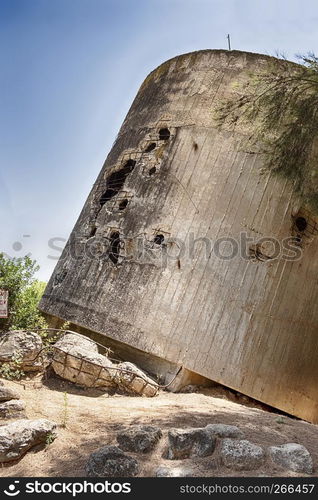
(114, 247)
(93, 232)
(301, 223)
(159, 239)
(116, 181)
(123, 204)
(152, 171)
(60, 277)
(164, 134)
(151, 147)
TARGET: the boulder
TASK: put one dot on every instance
(24, 347)
(140, 439)
(76, 359)
(18, 437)
(69, 340)
(135, 380)
(111, 461)
(293, 457)
(6, 394)
(185, 443)
(12, 409)
(241, 454)
(225, 431)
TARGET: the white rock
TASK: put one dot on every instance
(135, 380)
(69, 340)
(12, 409)
(22, 345)
(6, 394)
(76, 359)
(18, 437)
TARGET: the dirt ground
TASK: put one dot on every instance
(92, 419)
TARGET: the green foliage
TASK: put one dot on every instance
(280, 106)
(17, 276)
(12, 370)
(27, 315)
(50, 437)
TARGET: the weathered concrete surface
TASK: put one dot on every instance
(248, 324)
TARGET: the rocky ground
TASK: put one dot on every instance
(88, 419)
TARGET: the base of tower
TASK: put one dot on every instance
(172, 376)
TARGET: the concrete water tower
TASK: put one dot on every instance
(170, 263)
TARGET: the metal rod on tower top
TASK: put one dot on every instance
(229, 41)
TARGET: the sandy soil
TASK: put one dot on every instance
(94, 417)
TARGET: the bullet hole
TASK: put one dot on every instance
(297, 240)
(159, 239)
(301, 224)
(151, 147)
(195, 146)
(164, 134)
(114, 247)
(123, 204)
(152, 171)
(93, 232)
(116, 181)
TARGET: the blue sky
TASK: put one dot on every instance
(69, 72)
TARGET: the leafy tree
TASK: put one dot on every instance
(17, 276)
(280, 106)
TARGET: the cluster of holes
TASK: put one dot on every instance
(116, 181)
(114, 184)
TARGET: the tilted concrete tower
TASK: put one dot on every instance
(229, 312)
